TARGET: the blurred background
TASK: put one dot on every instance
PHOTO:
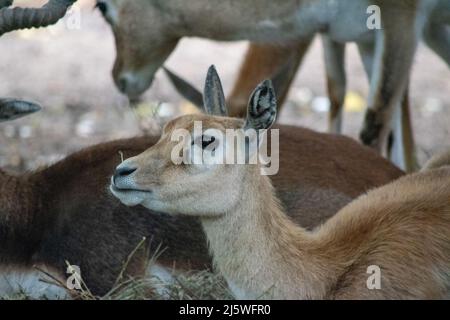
(67, 69)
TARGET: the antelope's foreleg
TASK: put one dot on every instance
(262, 61)
(336, 81)
(402, 148)
(394, 52)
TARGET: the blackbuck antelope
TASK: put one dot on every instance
(147, 31)
(65, 212)
(400, 230)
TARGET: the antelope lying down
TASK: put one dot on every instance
(402, 228)
(64, 212)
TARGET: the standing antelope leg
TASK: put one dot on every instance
(263, 61)
(402, 149)
(336, 81)
(394, 51)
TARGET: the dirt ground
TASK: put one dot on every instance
(68, 71)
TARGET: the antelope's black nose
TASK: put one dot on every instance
(123, 172)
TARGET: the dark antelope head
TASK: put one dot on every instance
(144, 36)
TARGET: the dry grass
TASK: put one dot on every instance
(196, 285)
(193, 285)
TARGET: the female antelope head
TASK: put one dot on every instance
(188, 161)
(143, 32)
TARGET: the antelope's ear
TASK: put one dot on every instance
(262, 107)
(187, 90)
(11, 109)
(213, 96)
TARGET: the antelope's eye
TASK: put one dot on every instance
(204, 141)
(102, 7)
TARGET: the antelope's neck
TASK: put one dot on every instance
(22, 220)
(260, 252)
(257, 21)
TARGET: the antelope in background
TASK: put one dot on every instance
(64, 212)
(435, 35)
(401, 228)
(147, 31)
(274, 57)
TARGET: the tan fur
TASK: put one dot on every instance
(401, 227)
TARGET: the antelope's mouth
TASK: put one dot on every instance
(117, 188)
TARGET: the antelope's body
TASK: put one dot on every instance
(401, 228)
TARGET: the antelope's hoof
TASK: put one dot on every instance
(370, 135)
